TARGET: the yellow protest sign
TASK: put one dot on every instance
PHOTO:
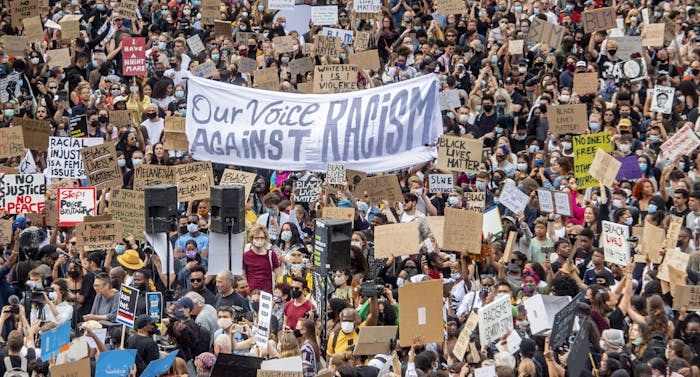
(585, 148)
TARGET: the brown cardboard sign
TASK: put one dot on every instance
(327, 45)
(436, 224)
(586, 83)
(674, 230)
(70, 26)
(476, 201)
(510, 244)
(448, 7)
(335, 78)
(361, 40)
(459, 153)
(210, 11)
(247, 65)
(598, 19)
(36, 132)
(545, 32)
(80, 368)
(22, 9)
(604, 167)
(238, 177)
(301, 65)
(366, 60)
(59, 57)
(5, 232)
(652, 240)
(516, 46)
(340, 213)
(51, 203)
(99, 235)
(653, 35)
(458, 236)
(374, 340)
(128, 8)
(13, 142)
(421, 311)
(567, 119)
(205, 70)
(194, 181)
(150, 175)
(101, 168)
(673, 258)
(223, 28)
(174, 136)
(687, 295)
(393, 240)
(283, 44)
(121, 118)
(14, 45)
(384, 187)
(126, 206)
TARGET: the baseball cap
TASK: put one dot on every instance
(581, 63)
(184, 302)
(142, 321)
(614, 337)
(624, 122)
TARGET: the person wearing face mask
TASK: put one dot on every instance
(345, 338)
(343, 290)
(298, 306)
(193, 233)
(261, 266)
(192, 260)
(607, 59)
(153, 126)
(142, 341)
(273, 217)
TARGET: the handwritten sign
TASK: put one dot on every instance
(385, 187)
(615, 245)
(458, 237)
(21, 9)
(513, 199)
(129, 8)
(673, 258)
(495, 320)
(283, 44)
(210, 11)
(195, 44)
(150, 175)
(449, 99)
(361, 40)
(683, 142)
(238, 177)
(35, 132)
(585, 148)
(586, 83)
(366, 60)
(475, 201)
(326, 45)
(65, 160)
(58, 58)
(99, 235)
(174, 136)
(100, 162)
(604, 168)
(459, 154)
(301, 65)
(308, 190)
(248, 65)
(687, 295)
(74, 203)
(280, 4)
(448, 7)
(134, 56)
(194, 181)
(568, 119)
(324, 15)
(5, 232)
(335, 78)
(14, 45)
(367, 6)
(546, 200)
(393, 240)
(545, 32)
(223, 28)
(441, 183)
(126, 207)
(335, 174)
(653, 35)
(340, 213)
(22, 193)
(598, 19)
(205, 70)
(12, 142)
(562, 203)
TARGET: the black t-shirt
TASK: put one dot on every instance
(582, 259)
(485, 123)
(234, 299)
(146, 350)
(88, 292)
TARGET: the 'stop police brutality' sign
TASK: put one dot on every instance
(235, 125)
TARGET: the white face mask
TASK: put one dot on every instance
(347, 327)
(624, 148)
(399, 282)
(258, 243)
(224, 323)
(357, 244)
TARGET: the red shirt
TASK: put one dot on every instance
(293, 312)
(258, 270)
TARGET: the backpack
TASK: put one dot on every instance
(11, 371)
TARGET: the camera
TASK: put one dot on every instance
(37, 295)
(371, 289)
(313, 313)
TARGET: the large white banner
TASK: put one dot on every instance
(374, 130)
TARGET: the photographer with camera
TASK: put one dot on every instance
(40, 312)
(15, 313)
(61, 311)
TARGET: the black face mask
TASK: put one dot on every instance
(103, 119)
(173, 65)
(692, 338)
(160, 73)
(95, 123)
(151, 115)
(695, 72)
(73, 274)
(296, 293)
(331, 315)
(487, 108)
(183, 229)
(297, 333)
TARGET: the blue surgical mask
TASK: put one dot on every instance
(681, 165)
(196, 3)
(119, 249)
(481, 186)
(192, 228)
(534, 148)
(654, 138)
(628, 221)
(137, 161)
(518, 9)
(74, 3)
(652, 208)
(261, 8)
(499, 130)
(272, 211)
(286, 236)
(183, 112)
(162, 45)
(536, 11)
(522, 166)
(452, 201)
(494, 59)
(520, 137)
(594, 126)
(121, 163)
(215, 57)
(456, 276)
(643, 166)
(100, 7)
(180, 93)
(9, 113)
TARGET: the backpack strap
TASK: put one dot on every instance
(8, 362)
(335, 339)
(23, 365)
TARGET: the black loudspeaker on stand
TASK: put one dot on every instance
(228, 213)
(160, 202)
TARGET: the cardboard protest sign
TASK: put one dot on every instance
(5, 232)
(495, 320)
(515, 46)
(367, 6)
(448, 7)
(449, 99)
(223, 28)
(117, 363)
(628, 45)
(283, 44)
(126, 206)
(77, 124)
(577, 361)
(674, 229)
(205, 70)
(652, 240)
(633, 69)
(13, 142)
(662, 99)
(151, 175)
(687, 295)
(324, 15)
(340, 213)
(545, 32)
(361, 40)
(683, 142)
(195, 44)
(604, 168)
(128, 298)
(128, 8)
(33, 30)
(335, 78)
(670, 30)
(462, 345)
(301, 65)
(653, 35)
(194, 181)
(512, 343)
(375, 340)
(264, 318)
(74, 203)
(492, 222)
(421, 310)
(366, 60)
(585, 147)
(120, 117)
(459, 154)
(436, 224)
(629, 168)
(562, 203)
(568, 119)
(458, 237)
(280, 4)
(134, 56)
(546, 200)
(542, 309)
(210, 11)
(475, 201)
(586, 83)
(384, 187)
(22, 193)
(58, 58)
(248, 65)
(243, 37)
(53, 340)
(615, 245)
(673, 258)
(51, 200)
(80, 368)
(14, 45)
(100, 162)
(99, 235)
(598, 19)
(335, 174)
(174, 136)
(70, 26)
(308, 190)
(393, 240)
(21, 9)
(513, 199)
(238, 177)
(345, 36)
(35, 132)
(325, 45)
(441, 183)
(64, 158)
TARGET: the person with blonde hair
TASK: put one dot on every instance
(289, 346)
(261, 266)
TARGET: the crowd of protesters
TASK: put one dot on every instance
(48, 279)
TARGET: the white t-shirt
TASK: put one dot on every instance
(155, 130)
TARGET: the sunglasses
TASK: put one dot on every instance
(195, 280)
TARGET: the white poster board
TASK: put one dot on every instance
(615, 245)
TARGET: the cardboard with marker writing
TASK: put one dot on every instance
(604, 167)
(421, 311)
(545, 32)
(384, 187)
(565, 119)
(686, 295)
(366, 60)
(598, 19)
(459, 154)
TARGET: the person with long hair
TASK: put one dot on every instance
(643, 191)
(160, 155)
(137, 101)
(289, 347)
(310, 350)
(641, 342)
(61, 310)
(655, 318)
